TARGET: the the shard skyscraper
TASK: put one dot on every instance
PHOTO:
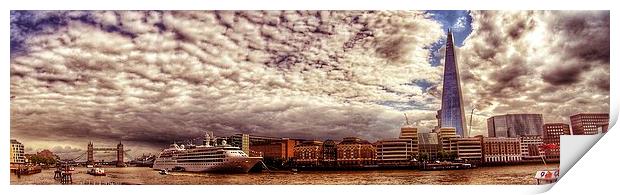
(452, 114)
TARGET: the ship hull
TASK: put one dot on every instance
(231, 165)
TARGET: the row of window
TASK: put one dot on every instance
(200, 157)
(200, 160)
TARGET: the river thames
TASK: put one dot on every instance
(512, 175)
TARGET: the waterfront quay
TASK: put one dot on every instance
(513, 175)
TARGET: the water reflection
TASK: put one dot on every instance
(521, 174)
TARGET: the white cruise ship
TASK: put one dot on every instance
(205, 158)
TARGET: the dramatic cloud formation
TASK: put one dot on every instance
(550, 62)
(151, 77)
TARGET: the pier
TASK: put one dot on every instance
(64, 173)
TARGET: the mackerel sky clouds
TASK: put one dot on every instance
(150, 77)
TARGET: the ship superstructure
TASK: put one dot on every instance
(208, 157)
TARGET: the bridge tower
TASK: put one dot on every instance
(90, 160)
(120, 155)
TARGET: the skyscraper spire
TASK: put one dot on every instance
(452, 113)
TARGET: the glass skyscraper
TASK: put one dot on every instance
(452, 114)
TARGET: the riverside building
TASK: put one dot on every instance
(276, 149)
(395, 152)
(308, 154)
(531, 148)
(551, 135)
(329, 154)
(410, 132)
(468, 149)
(17, 152)
(445, 134)
(428, 146)
(355, 152)
(589, 123)
(501, 150)
(515, 125)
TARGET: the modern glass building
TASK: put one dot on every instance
(452, 114)
(515, 125)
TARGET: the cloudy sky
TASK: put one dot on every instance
(151, 77)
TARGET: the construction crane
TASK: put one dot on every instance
(406, 119)
(471, 117)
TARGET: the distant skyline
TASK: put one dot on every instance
(152, 77)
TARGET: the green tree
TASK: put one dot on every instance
(443, 155)
(454, 155)
(424, 156)
(37, 159)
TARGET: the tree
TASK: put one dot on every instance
(454, 155)
(443, 155)
(38, 159)
(424, 156)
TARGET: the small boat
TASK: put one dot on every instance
(28, 170)
(547, 176)
(178, 169)
(96, 172)
(163, 172)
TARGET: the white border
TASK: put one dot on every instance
(592, 174)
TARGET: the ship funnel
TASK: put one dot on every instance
(208, 138)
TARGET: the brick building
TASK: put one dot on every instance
(352, 151)
(276, 149)
(308, 154)
(329, 154)
(501, 150)
(551, 135)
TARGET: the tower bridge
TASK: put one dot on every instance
(90, 151)
(121, 153)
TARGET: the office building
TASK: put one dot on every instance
(531, 148)
(589, 123)
(468, 149)
(515, 125)
(410, 132)
(445, 134)
(394, 152)
(551, 135)
(428, 146)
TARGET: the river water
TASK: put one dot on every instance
(512, 175)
